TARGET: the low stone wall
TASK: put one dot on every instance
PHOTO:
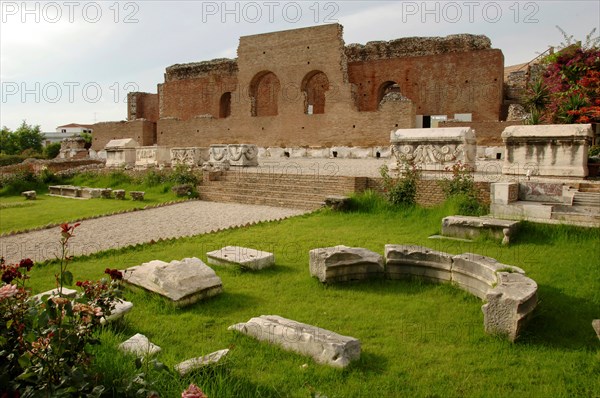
(510, 296)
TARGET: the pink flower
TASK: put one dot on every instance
(193, 392)
(8, 291)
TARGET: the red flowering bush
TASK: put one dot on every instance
(44, 342)
(571, 87)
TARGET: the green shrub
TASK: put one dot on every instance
(368, 201)
(52, 150)
(461, 188)
(401, 191)
(183, 174)
(7, 160)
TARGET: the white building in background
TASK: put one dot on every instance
(66, 131)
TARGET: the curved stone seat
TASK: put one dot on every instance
(510, 296)
(343, 263)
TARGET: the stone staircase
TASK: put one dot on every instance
(274, 189)
(588, 195)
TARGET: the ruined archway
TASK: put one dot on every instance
(225, 105)
(385, 88)
(314, 85)
(264, 94)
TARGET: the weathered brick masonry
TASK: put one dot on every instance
(305, 87)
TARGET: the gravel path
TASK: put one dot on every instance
(111, 232)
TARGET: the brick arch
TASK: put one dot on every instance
(225, 105)
(314, 85)
(385, 88)
(264, 93)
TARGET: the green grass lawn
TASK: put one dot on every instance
(17, 214)
(418, 339)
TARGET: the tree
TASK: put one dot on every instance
(8, 145)
(29, 137)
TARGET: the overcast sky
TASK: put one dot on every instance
(72, 61)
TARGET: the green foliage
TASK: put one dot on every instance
(368, 201)
(52, 150)
(44, 343)
(462, 190)
(401, 191)
(183, 174)
(24, 138)
(594, 151)
(7, 160)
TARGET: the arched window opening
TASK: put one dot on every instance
(225, 105)
(314, 86)
(264, 94)
(387, 88)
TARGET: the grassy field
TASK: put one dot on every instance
(17, 214)
(418, 339)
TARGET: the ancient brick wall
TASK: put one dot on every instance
(141, 130)
(430, 192)
(142, 106)
(297, 88)
(487, 133)
(196, 89)
(441, 84)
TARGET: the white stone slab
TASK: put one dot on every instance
(324, 346)
(343, 263)
(122, 307)
(242, 256)
(139, 345)
(70, 293)
(183, 282)
(190, 365)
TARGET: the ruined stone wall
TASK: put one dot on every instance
(486, 133)
(142, 106)
(443, 84)
(141, 130)
(196, 89)
(337, 126)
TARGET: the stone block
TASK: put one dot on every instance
(189, 156)
(403, 261)
(139, 345)
(29, 195)
(324, 346)
(137, 195)
(556, 150)
(119, 194)
(596, 326)
(477, 274)
(91, 193)
(241, 256)
(183, 282)
(152, 156)
(472, 227)
(242, 155)
(509, 304)
(435, 149)
(342, 263)
(121, 308)
(190, 365)
(106, 193)
(504, 193)
(338, 203)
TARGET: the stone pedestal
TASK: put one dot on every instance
(189, 156)
(152, 156)
(120, 153)
(557, 150)
(435, 149)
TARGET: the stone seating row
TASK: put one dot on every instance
(87, 193)
(509, 295)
